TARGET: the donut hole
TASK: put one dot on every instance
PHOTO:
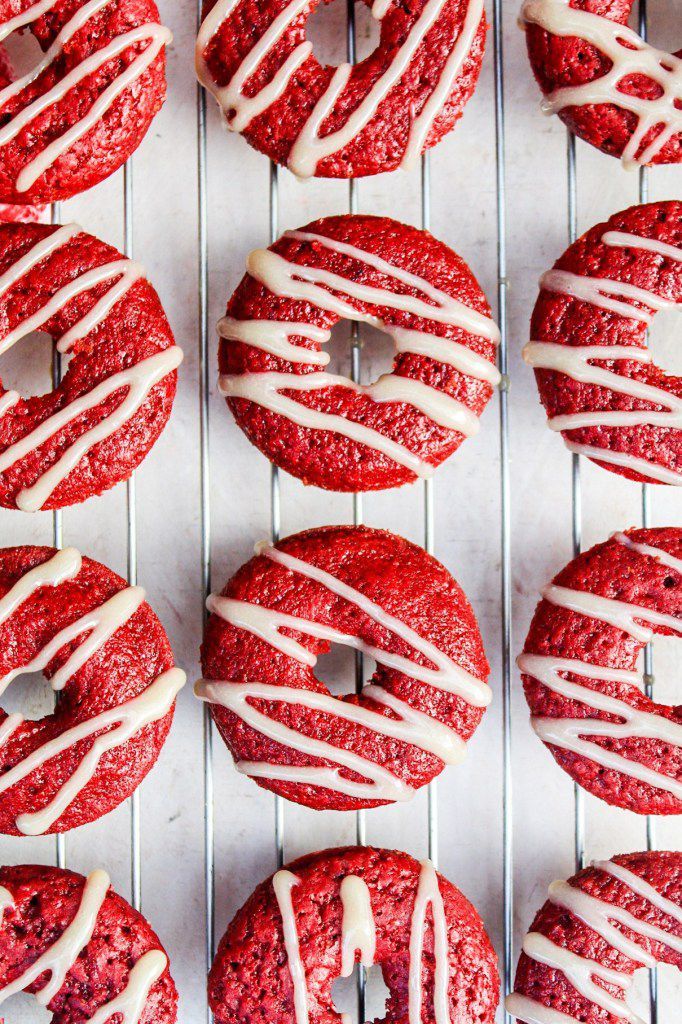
(23, 52)
(30, 695)
(664, 341)
(337, 669)
(27, 1010)
(377, 351)
(638, 1000)
(326, 30)
(665, 658)
(27, 366)
(345, 994)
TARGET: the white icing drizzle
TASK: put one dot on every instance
(157, 37)
(664, 557)
(625, 240)
(128, 718)
(581, 971)
(59, 958)
(428, 894)
(310, 148)
(137, 380)
(411, 726)
(629, 55)
(283, 882)
(620, 614)
(661, 474)
(358, 930)
(64, 565)
(606, 294)
(131, 1001)
(310, 284)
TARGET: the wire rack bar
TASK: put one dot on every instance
(505, 507)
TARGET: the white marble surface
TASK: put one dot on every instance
(467, 505)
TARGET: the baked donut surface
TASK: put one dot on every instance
(350, 121)
(77, 116)
(609, 86)
(363, 588)
(323, 427)
(105, 653)
(93, 429)
(596, 376)
(580, 670)
(593, 933)
(312, 921)
(81, 949)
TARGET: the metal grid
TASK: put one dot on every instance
(502, 284)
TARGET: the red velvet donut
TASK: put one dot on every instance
(594, 371)
(607, 84)
(362, 588)
(106, 654)
(579, 670)
(322, 427)
(311, 922)
(591, 936)
(115, 398)
(80, 949)
(350, 121)
(83, 110)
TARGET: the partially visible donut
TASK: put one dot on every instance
(84, 953)
(349, 121)
(580, 677)
(369, 590)
(322, 427)
(115, 398)
(84, 109)
(311, 922)
(591, 936)
(105, 652)
(611, 88)
(595, 374)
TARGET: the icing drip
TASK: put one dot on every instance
(581, 971)
(137, 380)
(358, 931)
(629, 55)
(575, 734)
(428, 895)
(59, 958)
(411, 726)
(128, 718)
(310, 284)
(283, 882)
(157, 36)
(310, 147)
(628, 241)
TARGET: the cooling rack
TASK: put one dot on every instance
(508, 191)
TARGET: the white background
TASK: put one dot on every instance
(467, 503)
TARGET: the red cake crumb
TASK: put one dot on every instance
(250, 981)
